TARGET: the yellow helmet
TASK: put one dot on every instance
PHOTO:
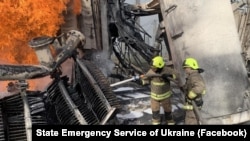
(158, 62)
(190, 62)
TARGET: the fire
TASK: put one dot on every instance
(22, 20)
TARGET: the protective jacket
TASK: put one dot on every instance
(160, 86)
(195, 85)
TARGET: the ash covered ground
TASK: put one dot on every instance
(135, 101)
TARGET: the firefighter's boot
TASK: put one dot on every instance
(169, 118)
(156, 120)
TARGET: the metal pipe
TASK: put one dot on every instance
(71, 104)
(42, 49)
(74, 39)
(27, 117)
(22, 72)
(93, 83)
(48, 63)
(107, 117)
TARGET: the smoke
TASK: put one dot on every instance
(205, 24)
(101, 59)
(210, 36)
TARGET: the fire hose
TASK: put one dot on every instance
(137, 77)
(134, 78)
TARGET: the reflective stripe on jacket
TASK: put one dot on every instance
(160, 87)
(195, 83)
(161, 96)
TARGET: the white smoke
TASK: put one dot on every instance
(103, 62)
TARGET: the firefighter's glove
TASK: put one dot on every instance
(138, 80)
(191, 95)
(167, 76)
(141, 76)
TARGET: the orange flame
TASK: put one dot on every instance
(77, 6)
(22, 20)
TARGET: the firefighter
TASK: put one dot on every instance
(159, 76)
(194, 87)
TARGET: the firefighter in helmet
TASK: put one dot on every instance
(194, 87)
(159, 76)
